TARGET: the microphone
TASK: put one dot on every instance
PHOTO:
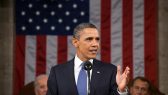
(88, 66)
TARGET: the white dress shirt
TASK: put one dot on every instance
(78, 66)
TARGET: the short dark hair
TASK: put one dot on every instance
(80, 27)
(142, 79)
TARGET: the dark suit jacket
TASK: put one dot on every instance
(62, 80)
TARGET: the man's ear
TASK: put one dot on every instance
(75, 42)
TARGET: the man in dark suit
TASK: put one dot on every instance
(106, 79)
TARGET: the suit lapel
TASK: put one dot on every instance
(95, 75)
(71, 76)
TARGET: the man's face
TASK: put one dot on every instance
(41, 88)
(88, 44)
(139, 88)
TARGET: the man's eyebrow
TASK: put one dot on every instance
(89, 38)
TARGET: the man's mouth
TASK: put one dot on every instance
(93, 51)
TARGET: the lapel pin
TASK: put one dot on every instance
(98, 72)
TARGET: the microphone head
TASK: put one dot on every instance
(87, 65)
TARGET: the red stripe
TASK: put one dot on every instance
(128, 35)
(62, 49)
(151, 61)
(41, 55)
(105, 30)
(19, 66)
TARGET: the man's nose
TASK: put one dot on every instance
(95, 43)
(139, 91)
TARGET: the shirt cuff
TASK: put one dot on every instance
(123, 93)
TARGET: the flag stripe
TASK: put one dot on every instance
(105, 30)
(151, 66)
(127, 34)
(138, 38)
(62, 49)
(116, 32)
(19, 69)
(30, 61)
(41, 55)
(51, 52)
(70, 48)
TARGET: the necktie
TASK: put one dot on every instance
(82, 82)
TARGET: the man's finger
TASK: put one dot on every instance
(127, 70)
(119, 69)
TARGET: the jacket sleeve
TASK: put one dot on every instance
(114, 86)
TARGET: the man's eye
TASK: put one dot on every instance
(143, 89)
(89, 39)
(42, 86)
(98, 39)
(136, 87)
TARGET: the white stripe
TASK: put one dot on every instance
(116, 32)
(30, 59)
(138, 37)
(95, 15)
(51, 53)
(71, 48)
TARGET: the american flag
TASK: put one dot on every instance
(44, 30)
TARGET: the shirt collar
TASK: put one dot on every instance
(79, 62)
